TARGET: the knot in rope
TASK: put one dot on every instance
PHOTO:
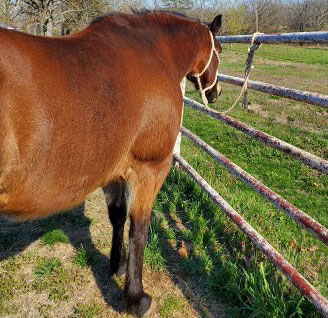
(249, 65)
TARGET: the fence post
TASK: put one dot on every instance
(176, 149)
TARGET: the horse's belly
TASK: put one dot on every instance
(51, 184)
(32, 200)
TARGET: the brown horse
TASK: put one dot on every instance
(100, 108)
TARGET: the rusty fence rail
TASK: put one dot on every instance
(274, 257)
(303, 96)
(296, 214)
(298, 37)
(306, 157)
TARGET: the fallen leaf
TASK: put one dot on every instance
(182, 251)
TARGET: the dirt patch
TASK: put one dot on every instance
(274, 110)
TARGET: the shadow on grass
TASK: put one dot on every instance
(15, 237)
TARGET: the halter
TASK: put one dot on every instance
(198, 75)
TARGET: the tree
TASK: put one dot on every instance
(42, 16)
(319, 15)
(300, 11)
(200, 8)
(235, 21)
(76, 14)
(308, 15)
(6, 8)
(177, 5)
(38, 14)
(269, 12)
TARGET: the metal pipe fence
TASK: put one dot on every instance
(297, 37)
(303, 96)
(296, 214)
(306, 157)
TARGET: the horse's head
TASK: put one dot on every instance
(205, 74)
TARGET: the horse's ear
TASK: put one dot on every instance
(216, 24)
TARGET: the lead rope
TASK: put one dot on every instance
(249, 61)
(198, 75)
(249, 65)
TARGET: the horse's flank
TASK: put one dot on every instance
(81, 111)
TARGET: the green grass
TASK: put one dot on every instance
(53, 237)
(283, 65)
(82, 258)
(47, 267)
(285, 53)
(169, 306)
(223, 264)
(152, 255)
(52, 277)
(86, 311)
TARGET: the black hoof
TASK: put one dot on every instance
(142, 308)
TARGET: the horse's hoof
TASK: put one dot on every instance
(143, 308)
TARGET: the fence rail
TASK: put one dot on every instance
(303, 96)
(298, 37)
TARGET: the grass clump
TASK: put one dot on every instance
(266, 286)
(54, 236)
(152, 255)
(53, 278)
(82, 258)
(46, 267)
(169, 306)
(86, 310)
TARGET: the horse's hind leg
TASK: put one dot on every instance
(115, 194)
(144, 185)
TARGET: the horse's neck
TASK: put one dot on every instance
(182, 44)
(187, 46)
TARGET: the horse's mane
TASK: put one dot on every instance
(143, 13)
(169, 12)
